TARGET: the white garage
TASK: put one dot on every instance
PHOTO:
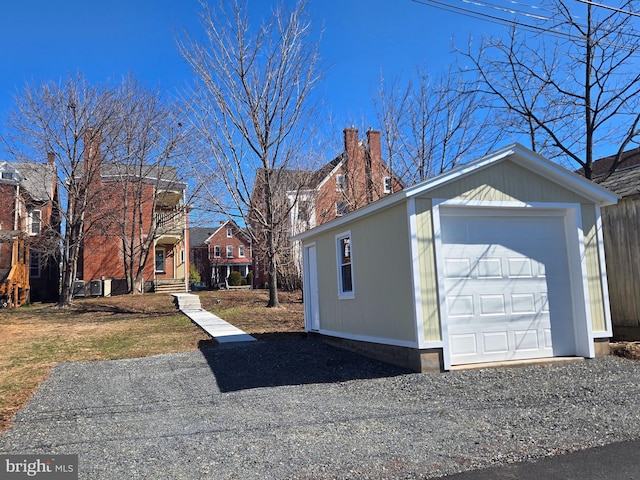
(500, 275)
(499, 260)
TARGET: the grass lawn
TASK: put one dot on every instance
(33, 338)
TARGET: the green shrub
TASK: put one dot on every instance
(250, 278)
(235, 279)
(194, 276)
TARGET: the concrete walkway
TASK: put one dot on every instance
(220, 330)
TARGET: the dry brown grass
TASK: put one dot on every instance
(34, 338)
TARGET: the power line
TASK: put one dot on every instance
(442, 5)
(608, 7)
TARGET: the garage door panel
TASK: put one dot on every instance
(498, 275)
(464, 345)
(495, 342)
(526, 340)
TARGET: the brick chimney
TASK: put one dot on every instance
(351, 142)
(51, 158)
(375, 149)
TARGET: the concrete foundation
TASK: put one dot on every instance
(420, 361)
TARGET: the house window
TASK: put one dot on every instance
(229, 251)
(34, 264)
(345, 266)
(216, 251)
(241, 250)
(387, 184)
(160, 260)
(303, 211)
(342, 208)
(35, 222)
(8, 175)
(229, 232)
(243, 271)
(340, 183)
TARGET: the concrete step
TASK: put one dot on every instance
(187, 301)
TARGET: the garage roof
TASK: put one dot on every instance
(521, 155)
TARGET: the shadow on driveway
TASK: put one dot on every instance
(297, 361)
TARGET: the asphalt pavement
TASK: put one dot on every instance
(301, 409)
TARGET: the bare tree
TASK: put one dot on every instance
(432, 125)
(569, 83)
(252, 107)
(63, 119)
(142, 151)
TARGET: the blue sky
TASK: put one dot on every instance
(42, 40)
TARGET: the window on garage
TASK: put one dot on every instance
(345, 266)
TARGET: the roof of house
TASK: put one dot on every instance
(198, 235)
(39, 179)
(36, 178)
(523, 156)
(625, 181)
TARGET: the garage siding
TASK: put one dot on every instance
(427, 266)
(596, 301)
(506, 181)
(383, 303)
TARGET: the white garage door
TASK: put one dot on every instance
(507, 287)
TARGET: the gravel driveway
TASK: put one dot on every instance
(303, 409)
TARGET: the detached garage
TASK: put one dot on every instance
(498, 260)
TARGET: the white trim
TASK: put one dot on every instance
(342, 295)
(414, 253)
(579, 289)
(444, 315)
(306, 272)
(608, 332)
(329, 175)
(366, 338)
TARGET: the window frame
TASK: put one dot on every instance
(341, 182)
(345, 294)
(229, 249)
(229, 232)
(31, 222)
(35, 264)
(386, 181)
(241, 251)
(217, 251)
(164, 260)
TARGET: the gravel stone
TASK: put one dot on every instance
(302, 409)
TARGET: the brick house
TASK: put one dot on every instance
(229, 249)
(199, 252)
(29, 232)
(356, 177)
(148, 201)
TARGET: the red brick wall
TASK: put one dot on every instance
(364, 177)
(7, 200)
(102, 252)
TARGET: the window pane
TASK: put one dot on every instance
(347, 285)
(159, 260)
